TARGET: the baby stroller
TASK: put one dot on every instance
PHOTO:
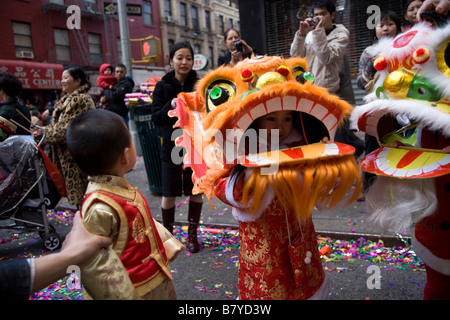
(29, 185)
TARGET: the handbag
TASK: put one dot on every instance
(299, 256)
(172, 246)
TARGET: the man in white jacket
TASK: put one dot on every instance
(323, 43)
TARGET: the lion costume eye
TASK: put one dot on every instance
(300, 75)
(219, 92)
(421, 89)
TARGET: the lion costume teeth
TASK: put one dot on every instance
(216, 117)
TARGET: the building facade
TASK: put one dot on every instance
(41, 37)
(200, 22)
(46, 36)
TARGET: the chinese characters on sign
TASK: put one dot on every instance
(34, 75)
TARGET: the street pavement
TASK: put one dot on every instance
(212, 273)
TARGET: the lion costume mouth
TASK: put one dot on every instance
(411, 106)
(269, 90)
(419, 158)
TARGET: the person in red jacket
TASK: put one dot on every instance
(107, 79)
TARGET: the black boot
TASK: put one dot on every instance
(195, 209)
(168, 216)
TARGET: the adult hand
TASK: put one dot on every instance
(305, 27)
(37, 134)
(247, 48)
(236, 56)
(79, 246)
(440, 6)
(80, 243)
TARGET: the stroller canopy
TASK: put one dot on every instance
(17, 170)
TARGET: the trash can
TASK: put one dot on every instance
(150, 137)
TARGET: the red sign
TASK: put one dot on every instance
(34, 75)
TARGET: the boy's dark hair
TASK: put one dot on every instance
(328, 4)
(121, 65)
(96, 140)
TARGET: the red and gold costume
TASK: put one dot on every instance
(272, 193)
(135, 266)
(266, 268)
(409, 114)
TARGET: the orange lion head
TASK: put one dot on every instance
(216, 120)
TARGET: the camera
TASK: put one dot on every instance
(239, 46)
(313, 22)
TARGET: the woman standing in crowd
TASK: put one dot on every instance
(410, 15)
(76, 100)
(10, 106)
(235, 52)
(175, 179)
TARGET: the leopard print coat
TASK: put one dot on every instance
(66, 109)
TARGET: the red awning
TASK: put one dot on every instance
(34, 75)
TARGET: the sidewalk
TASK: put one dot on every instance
(348, 222)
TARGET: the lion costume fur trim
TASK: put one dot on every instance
(301, 186)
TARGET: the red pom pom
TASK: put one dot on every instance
(380, 63)
(283, 70)
(421, 55)
(247, 75)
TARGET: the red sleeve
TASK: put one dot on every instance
(220, 185)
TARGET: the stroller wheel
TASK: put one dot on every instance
(51, 230)
(52, 241)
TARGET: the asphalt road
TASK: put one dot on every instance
(212, 273)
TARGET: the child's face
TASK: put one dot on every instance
(107, 72)
(386, 29)
(278, 120)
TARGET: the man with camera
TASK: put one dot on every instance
(323, 43)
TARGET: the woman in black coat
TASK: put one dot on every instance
(175, 179)
(11, 107)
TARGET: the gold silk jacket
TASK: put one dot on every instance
(104, 276)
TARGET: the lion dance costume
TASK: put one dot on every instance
(411, 105)
(273, 193)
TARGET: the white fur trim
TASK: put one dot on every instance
(437, 264)
(418, 111)
(323, 292)
(241, 215)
